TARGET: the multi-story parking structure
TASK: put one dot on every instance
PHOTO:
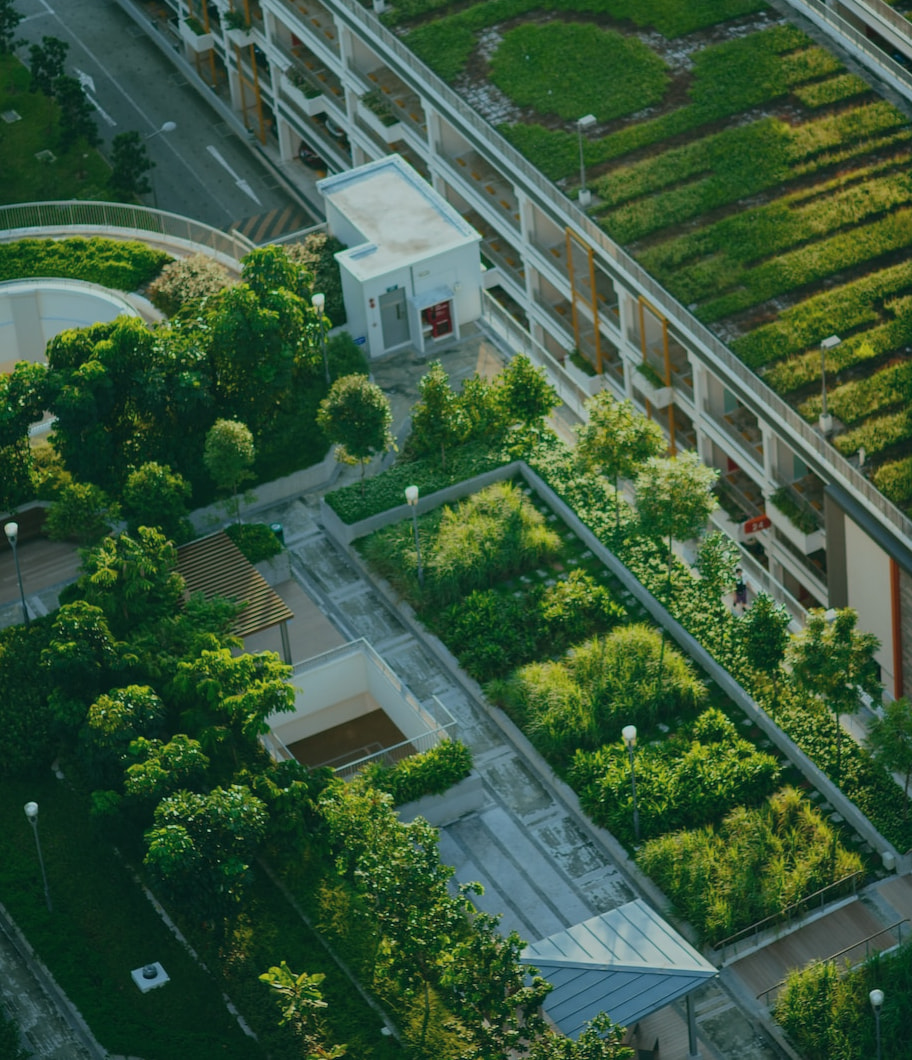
(327, 74)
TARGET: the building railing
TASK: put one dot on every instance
(808, 443)
(389, 756)
(20, 220)
(866, 942)
(797, 910)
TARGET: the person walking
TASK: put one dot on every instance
(740, 590)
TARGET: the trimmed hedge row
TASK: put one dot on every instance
(120, 264)
(854, 401)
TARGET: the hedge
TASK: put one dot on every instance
(120, 264)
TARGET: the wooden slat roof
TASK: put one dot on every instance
(215, 566)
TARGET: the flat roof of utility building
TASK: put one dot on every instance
(400, 216)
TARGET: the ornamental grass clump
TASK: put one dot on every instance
(756, 863)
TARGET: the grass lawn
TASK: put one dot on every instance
(81, 173)
(101, 928)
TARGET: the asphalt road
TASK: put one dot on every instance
(203, 169)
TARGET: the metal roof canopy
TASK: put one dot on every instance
(627, 962)
(215, 566)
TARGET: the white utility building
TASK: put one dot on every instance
(412, 272)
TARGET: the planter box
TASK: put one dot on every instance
(468, 796)
(659, 396)
(241, 38)
(806, 543)
(197, 42)
(276, 570)
(310, 105)
(591, 384)
(388, 133)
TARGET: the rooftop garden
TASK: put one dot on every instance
(764, 185)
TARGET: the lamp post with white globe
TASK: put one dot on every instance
(31, 812)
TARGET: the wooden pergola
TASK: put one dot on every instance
(215, 566)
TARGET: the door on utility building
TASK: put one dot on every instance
(394, 318)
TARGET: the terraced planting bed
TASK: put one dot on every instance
(764, 185)
(571, 657)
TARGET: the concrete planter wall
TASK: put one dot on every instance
(276, 570)
(468, 796)
(198, 42)
(242, 38)
(807, 543)
(591, 384)
(659, 396)
(310, 105)
(389, 133)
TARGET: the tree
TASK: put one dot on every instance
(835, 662)
(356, 416)
(601, 1040)
(22, 403)
(46, 63)
(9, 23)
(114, 720)
(616, 441)
(201, 846)
(890, 741)
(438, 418)
(164, 769)
(76, 120)
(227, 698)
(300, 999)
(717, 558)
(154, 495)
(229, 455)
(524, 393)
(675, 498)
(132, 580)
(82, 513)
(765, 636)
(130, 163)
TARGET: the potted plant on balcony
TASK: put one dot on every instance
(794, 522)
(300, 90)
(583, 373)
(653, 386)
(238, 28)
(194, 34)
(377, 113)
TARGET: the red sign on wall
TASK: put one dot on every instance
(753, 526)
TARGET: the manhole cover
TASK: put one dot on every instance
(9, 116)
(45, 156)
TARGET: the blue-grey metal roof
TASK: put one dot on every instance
(628, 962)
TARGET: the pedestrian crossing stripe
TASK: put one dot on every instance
(263, 228)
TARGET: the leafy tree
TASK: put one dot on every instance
(890, 741)
(438, 418)
(154, 495)
(76, 114)
(130, 163)
(300, 999)
(320, 271)
(835, 662)
(765, 635)
(132, 580)
(22, 403)
(524, 393)
(484, 414)
(617, 440)
(674, 498)
(269, 269)
(82, 513)
(164, 768)
(601, 1040)
(717, 558)
(356, 416)
(82, 660)
(9, 23)
(46, 63)
(27, 741)
(201, 846)
(186, 282)
(229, 456)
(227, 698)
(114, 721)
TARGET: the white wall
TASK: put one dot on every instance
(868, 584)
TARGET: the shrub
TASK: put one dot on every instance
(430, 773)
(255, 540)
(691, 779)
(895, 480)
(186, 282)
(783, 500)
(121, 264)
(755, 864)
(82, 513)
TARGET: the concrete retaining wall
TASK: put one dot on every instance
(463, 798)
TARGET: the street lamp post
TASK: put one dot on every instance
(585, 195)
(318, 301)
(629, 733)
(411, 495)
(826, 420)
(12, 535)
(876, 997)
(31, 812)
(167, 127)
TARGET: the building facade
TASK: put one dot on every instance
(326, 78)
